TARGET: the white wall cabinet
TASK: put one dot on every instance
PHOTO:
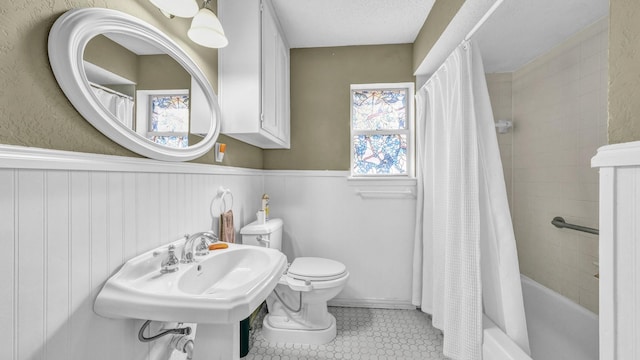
(253, 74)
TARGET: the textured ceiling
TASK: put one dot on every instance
(521, 30)
(518, 31)
(321, 23)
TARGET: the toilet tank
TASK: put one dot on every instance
(268, 234)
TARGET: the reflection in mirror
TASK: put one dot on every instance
(141, 49)
(145, 89)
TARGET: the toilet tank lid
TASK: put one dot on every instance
(262, 229)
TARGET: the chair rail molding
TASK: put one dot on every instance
(20, 157)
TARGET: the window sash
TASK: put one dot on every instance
(407, 107)
(408, 131)
(160, 134)
(177, 93)
(407, 157)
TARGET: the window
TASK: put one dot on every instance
(163, 116)
(169, 120)
(381, 130)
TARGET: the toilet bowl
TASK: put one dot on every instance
(298, 305)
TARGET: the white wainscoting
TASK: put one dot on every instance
(68, 221)
(619, 250)
(366, 224)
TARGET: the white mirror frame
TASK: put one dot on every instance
(67, 40)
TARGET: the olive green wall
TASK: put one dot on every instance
(50, 121)
(439, 17)
(173, 75)
(35, 111)
(320, 105)
(624, 71)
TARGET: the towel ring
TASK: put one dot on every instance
(222, 196)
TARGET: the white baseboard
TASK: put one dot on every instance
(373, 303)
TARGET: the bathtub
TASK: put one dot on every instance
(558, 329)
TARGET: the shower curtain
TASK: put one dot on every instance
(120, 106)
(465, 258)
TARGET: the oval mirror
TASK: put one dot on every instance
(134, 84)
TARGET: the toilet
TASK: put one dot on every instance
(298, 305)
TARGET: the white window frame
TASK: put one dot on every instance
(409, 131)
(143, 111)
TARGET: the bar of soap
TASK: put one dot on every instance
(218, 245)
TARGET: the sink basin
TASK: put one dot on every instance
(222, 287)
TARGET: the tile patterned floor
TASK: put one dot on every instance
(363, 334)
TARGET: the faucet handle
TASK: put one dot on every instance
(171, 262)
(203, 248)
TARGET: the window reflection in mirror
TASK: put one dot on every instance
(169, 119)
(144, 88)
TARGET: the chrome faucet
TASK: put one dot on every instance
(170, 264)
(201, 249)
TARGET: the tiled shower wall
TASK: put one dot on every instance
(559, 109)
(501, 102)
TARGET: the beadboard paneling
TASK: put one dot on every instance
(65, 232)
(31, 263)
(8, 265)
(619, 167)
(626, 263)
(68, 224)
(58, 264)
(325, 216)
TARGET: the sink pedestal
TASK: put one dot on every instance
(217, 342)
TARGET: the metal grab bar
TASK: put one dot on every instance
(560, 223)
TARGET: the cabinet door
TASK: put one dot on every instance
(270, 40)
(282, 90)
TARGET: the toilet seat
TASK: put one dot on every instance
(308, 273)
(316, 269)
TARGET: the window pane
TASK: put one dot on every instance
(170, 113)
(379, 109)
(380, 155)
(171, 141)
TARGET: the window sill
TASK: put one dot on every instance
(384, 187)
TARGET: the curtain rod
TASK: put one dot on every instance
(110, 90)
(481, 22)
(484, 18)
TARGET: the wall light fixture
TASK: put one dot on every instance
(206, 29)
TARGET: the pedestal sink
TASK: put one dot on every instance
(216, 292)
